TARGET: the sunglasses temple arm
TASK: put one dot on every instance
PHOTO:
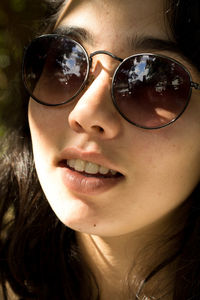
(195, 85)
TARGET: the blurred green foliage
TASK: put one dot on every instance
(18, 21)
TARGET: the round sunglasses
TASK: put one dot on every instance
(150, 91)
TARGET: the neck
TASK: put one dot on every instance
(111, 259)
(107, 262)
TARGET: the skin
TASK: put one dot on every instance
(161, 167)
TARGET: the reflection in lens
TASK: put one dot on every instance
(151, 91)
(55, 69)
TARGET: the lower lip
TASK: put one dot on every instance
(77, 182)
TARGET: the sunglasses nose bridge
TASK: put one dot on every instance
(106, 53)
(97, 66)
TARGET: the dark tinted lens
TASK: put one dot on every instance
(151, 91)
(55, 69)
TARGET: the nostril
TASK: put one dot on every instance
(98, 128)
(77, 126)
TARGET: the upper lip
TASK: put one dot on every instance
(91, 156)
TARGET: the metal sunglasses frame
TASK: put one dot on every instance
(89, 63)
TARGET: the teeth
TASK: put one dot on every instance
(103, 170)
(79, 165)
(71, 163)
(88, 167)
(113, 172)
(91, 168)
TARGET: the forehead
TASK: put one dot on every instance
(111, 20)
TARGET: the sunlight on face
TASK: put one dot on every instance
(159, 168)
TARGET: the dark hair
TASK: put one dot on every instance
(39, 256)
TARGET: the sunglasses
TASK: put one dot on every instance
(149, 90)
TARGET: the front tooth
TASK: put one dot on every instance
(91, 168)
(103, 170)
(79, 165)
(71, 163)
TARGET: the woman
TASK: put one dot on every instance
(114, 117)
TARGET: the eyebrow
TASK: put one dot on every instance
(77, 33)
(135, 43)
(153, 43)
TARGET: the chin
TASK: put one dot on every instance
(73, 213)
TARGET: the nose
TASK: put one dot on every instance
(94, 112)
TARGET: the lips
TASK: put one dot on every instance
(87, 172)
(87, 161)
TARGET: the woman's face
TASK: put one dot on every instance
(159, 168)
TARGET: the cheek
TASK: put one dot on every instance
(166, 162)
(176, 146)
(48, 125)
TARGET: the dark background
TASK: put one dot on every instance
(19, 21)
